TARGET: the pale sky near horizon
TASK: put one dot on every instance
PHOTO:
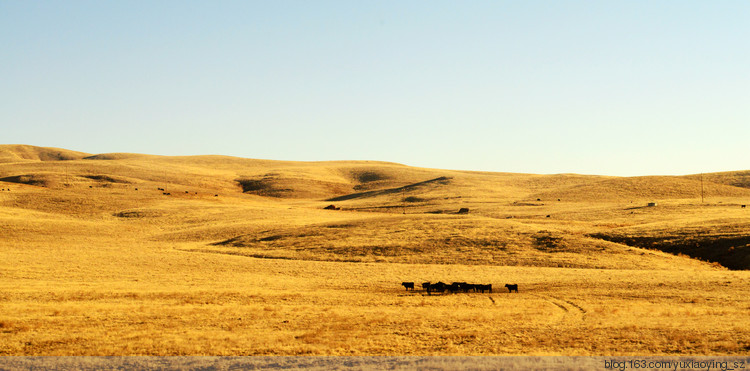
(591, 87)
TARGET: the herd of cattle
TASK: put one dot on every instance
(455, 287)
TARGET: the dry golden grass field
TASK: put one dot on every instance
(239, 257)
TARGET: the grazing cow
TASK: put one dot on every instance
(426, 286)
(331, 207)
(463, 210)
(161, 189)
(511, 288)
(187, 192)
(466, 287)
(408, 285)
(216, 195)
(136, 189)
(483, 288)
(437, 287)
(743, 206)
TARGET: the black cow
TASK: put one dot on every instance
(453, 287)
(511, 288)
(408, 285)
(466, 287)
(426, 286)
(483, 288)
(437, 287)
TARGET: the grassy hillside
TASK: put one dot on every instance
(115, 254)
(653, 188)
(732, 178)
(21, 152)
(409, 213)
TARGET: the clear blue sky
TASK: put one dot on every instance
(592, 87)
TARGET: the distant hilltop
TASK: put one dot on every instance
(342, 180)
(381, 211)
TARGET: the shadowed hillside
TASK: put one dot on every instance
(512, 219)
(410, 188)
(719, 240)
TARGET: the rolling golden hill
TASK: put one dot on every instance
(133, 254)
(21, 152)
(397, 213)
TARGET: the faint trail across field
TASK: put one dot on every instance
(573, 311)
(581, 309)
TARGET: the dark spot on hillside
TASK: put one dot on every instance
(545, 241)
(370, 176)
(520, 203)
(29, 179)
(137, 213)
(407, 188)
(250, 185)
(270, 238)
(129, 214)
(105, 178)
(340, 226)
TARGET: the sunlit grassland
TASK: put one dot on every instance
(187, 303)
(91, 266)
